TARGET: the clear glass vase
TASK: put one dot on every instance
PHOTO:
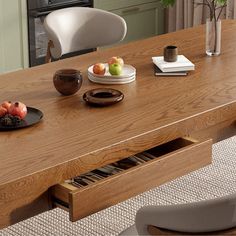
(213, 37)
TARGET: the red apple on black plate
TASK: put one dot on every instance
(6, 104)
(3, 111)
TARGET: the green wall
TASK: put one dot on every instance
(13, 35)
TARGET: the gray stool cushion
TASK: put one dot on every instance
(197, 217)
(129, 231)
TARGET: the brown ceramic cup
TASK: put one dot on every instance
(170, 53)
(67, 81)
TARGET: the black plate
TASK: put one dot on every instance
(33, 116)
(103, 96)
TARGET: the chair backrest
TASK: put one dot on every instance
(78, 28)
(196, 217)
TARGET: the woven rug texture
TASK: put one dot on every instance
(215, 180)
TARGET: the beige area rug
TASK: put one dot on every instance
(215, 180)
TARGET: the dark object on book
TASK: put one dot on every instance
(170, 53)
(158, 72)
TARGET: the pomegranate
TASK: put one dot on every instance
(18, 109)
(6, 105)
(3, 111)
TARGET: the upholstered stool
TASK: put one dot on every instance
(211, 217)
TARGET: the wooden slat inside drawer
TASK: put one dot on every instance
(174, 159)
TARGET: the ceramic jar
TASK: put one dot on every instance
(67, 81)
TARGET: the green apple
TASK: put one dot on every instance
(115, 69)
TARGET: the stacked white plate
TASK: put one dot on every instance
(128, 75)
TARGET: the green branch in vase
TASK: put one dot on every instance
(215, 8)
(213, 5)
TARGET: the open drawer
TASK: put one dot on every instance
(109, 185)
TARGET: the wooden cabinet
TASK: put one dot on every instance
(13, 35)
(154, 167)
(144, 18)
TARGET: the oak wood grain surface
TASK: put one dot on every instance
(74, 138)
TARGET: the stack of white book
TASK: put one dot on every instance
(179, 67)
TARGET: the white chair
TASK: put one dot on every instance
(79, 28)
(197, 217)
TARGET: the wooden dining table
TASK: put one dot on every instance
(74, 138)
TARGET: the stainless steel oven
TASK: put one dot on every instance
(37, 11)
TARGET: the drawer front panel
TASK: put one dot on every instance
(119, 187)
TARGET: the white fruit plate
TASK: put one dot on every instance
(127, 72)
(107, 80)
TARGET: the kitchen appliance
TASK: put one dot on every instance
(37, 11)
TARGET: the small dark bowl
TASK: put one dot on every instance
(170, 53)
(67, 81)
(103, 97)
